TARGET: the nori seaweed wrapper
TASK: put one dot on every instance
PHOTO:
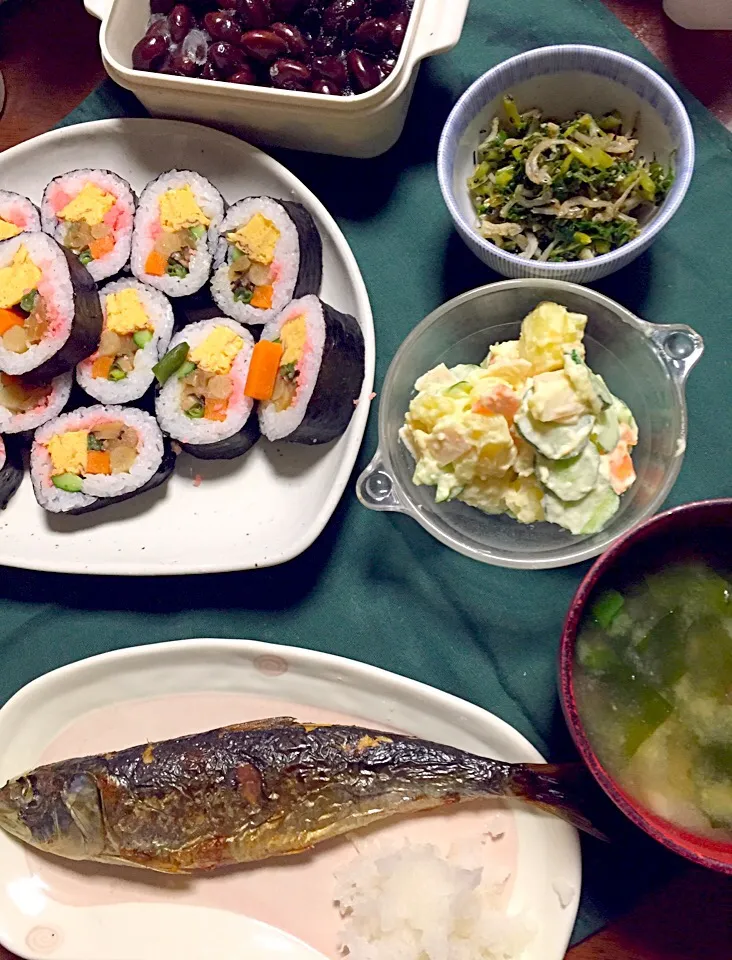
(230, 448)
(86, 326)
(339, 381)
(310, 268)
(11, 472)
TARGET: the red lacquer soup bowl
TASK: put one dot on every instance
(700, 530)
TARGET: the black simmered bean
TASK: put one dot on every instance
(225, 57)
(290, 75)
(245, 74)
(223, 25)
(331, 47)
(255, 14)
(364, 71)
(149, 53)
(372, 35)
(326, 87)
(262, 45)
(297, 46)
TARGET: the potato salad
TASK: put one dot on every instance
(531, 431)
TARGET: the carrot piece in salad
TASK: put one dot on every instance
(156, 264)
(215, 409)
(101, 247)
(101, 367)
(263, 369)
(263, 296)
(10, 318)
(98, 461)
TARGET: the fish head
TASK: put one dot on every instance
(56, 810)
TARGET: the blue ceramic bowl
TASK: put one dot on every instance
(561, 81)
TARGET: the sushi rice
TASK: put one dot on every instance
(56, 289)
(17, 215)
(291, 264)
(316, 391)
(50, 399)
(149, 457)
(169, 412)
(148, 229)
(136, 382)
(117, 221)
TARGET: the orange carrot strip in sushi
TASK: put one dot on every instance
(10, 318)
(263, 296)
(215, 409)
(101, 367)
(263, 369)
(97, 461)
(156, 264)
(101, 247)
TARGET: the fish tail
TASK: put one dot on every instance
(566, 790)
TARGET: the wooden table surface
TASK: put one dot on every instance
(50, 59)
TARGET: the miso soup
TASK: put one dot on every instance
(653, 681)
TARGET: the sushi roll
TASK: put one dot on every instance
(138, 325)
(309, 384)
(96, 455)
(17, 215)
(91, 213)
(24, 407)
(11, 471)
(50, 317)
(202, 403)
(269, 252)
(176, 228)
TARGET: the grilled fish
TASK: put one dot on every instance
(256, 790)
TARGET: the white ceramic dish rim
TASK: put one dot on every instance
(684, 167)
(412, 52)
(381, 687)
(357, 427)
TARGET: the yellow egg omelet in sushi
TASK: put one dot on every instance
(68, 452)
(257, 239)
(179, 210)
(90, 205)
(531, 431)
(125, 312)
(8, 230)
(216, 354)
(293, 336)
(19, 277)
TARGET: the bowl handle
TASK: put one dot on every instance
(679, 345)
(98, 8)
(440, 27)
(375, 487)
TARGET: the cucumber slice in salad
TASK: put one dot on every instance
(606, 432)
(554, 440)
(570, 480)
(588, 515)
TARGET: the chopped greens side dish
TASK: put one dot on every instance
(562, 191)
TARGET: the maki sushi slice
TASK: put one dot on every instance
(310, 393)
(11, 471)
(50, 317)
(138, 325)
(25, 406)
(202, 403)
(176, 228)
(94, 456)
(17, 215)
(269, 252)
(91, 213)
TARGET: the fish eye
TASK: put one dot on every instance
(27, 793)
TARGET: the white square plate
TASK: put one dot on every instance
(256, 511)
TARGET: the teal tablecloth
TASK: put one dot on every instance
(375, 587)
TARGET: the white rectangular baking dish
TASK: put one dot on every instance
(360, 126)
